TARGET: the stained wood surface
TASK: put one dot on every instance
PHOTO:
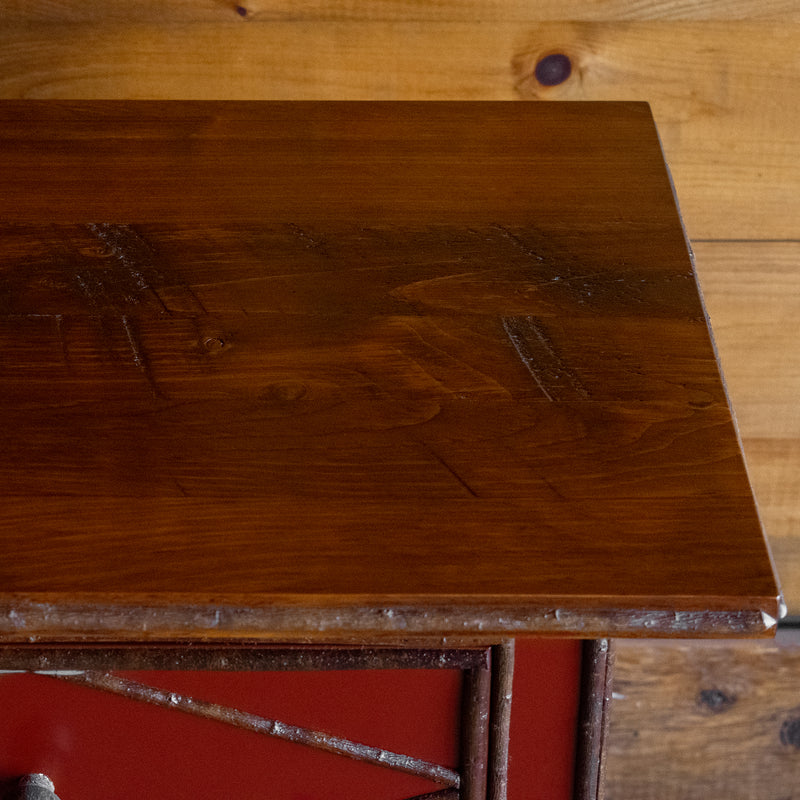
(723, 90)
(305, 370)
(721, 75)
(705, 719)
(198, 163)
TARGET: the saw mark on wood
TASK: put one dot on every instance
(512, 329)
(197, 300)
(139, 354)
(316, 243)
(107, 334)
(62, 340)
(426, 342)
(137, 257)
(126, 246)
(535, 349)
(124, 284)
(517, 242)
(451, 471)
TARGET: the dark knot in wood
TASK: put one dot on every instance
(790, 733)
(213, 344)
(553, 69)
(284, 392)
(715, 700)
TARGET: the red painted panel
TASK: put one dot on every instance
(544, 718)
(97, 746)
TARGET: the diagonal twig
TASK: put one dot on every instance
(268, 727)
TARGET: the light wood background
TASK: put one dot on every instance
(721, 76)
(706, 721)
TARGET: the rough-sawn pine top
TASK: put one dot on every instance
(355, 371)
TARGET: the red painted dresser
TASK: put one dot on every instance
(338, 440)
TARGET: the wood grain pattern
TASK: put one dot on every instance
(304, 407)
(723, 93)
(720, 112)
(184, 11)
(700, 720)
(774, 465)
(752, 292)
(300, 163)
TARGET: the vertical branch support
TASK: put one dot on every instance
(475, 714)
(595, 704)
(501, 691)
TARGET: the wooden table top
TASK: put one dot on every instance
(359, 371)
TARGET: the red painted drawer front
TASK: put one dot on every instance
(544, 719)
(96, 745)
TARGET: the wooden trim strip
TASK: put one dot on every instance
(593, 718)
(281, 621)
(501, 693)
(237, 657)
(268, 727)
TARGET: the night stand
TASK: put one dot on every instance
(312, 409)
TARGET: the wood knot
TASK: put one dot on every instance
(283, 393)
(715, 700)
(544, 72)
(553, 69)
(213, 344)
(790, 733)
